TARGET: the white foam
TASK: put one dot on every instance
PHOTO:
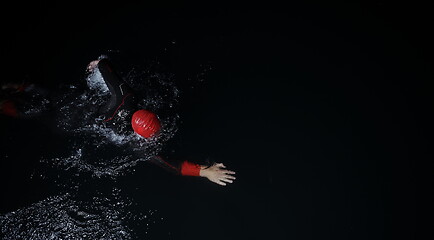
(96, 82)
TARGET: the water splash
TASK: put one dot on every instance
(111, 148)
(96, 82)
(67, 216)
(95, 151)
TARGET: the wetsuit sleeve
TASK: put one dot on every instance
(184, 168)
(111, 77)
(121, 93)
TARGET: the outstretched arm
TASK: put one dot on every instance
(217, 173)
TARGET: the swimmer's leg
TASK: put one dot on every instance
(25, 100)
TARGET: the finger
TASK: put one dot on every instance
(230, 177)
(219, 182)
(227, 180)
(229, 172)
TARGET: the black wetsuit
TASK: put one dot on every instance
(122, 98)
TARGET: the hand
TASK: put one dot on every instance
(217, 173)
(91, 66)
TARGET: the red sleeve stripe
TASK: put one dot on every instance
(120, 105)
(190, 169)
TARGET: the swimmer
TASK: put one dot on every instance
(146, 124)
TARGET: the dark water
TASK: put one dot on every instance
(324, 112)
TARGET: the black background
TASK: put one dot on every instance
(323, 110)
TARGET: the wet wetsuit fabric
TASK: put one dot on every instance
(190, 169)
(184, 168)
(122, 97)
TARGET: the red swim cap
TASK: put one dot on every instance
(145, 123)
